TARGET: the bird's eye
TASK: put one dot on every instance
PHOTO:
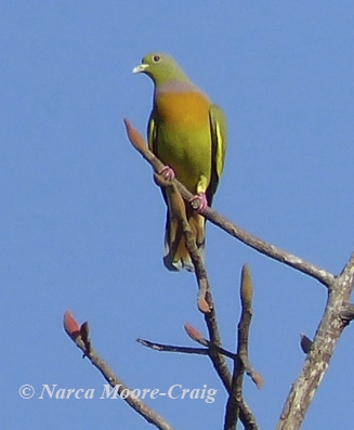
(156, 58)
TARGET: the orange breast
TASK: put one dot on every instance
(183, 109)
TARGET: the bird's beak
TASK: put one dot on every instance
(141, 68)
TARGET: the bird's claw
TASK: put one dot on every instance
(199, 202)
(167, 173)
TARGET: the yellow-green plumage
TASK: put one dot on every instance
(188, 133)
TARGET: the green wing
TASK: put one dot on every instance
(152, 130)
(218, 133)
(152, 133)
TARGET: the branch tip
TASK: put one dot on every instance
(305, 343)
(246, 290)
(71, 326)
(257, 379)
(135, 138)
(193, 333)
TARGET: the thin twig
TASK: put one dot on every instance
(232, 410)
(186, 350)
(323, 276)
(120, 388)
(246, 294)
(172, 348)
(241, 363)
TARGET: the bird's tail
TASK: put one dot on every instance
(176, 256)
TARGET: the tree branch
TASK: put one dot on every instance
(259, 245)
(317, 361)
(186, 350)
(172, 348)
(241, 362)
(75, 333)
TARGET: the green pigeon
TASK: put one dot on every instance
(187, 132)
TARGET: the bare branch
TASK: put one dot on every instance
(241, 362)
(246, 293)
(232, 406)
(316, 364)
(271, 251)
(317, 361)
(259, 245)
(172, 348)
(184, 349)
(125, 392)
(246, 416)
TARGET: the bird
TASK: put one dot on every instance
(187, 132)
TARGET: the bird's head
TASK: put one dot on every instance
(161, 68)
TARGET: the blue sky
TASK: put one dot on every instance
(81, 220)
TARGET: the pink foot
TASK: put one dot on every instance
(167, 173)
(203, 202)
